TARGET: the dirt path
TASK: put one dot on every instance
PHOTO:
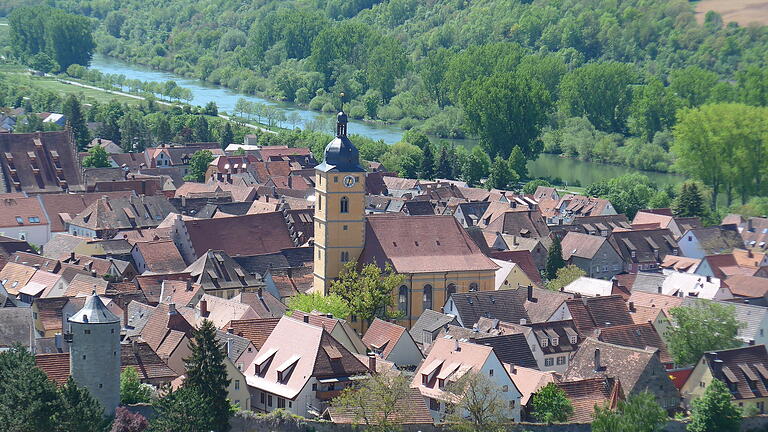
(743, 12)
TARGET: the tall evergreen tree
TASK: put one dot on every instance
(28, 398)
(690, 202)
(555, 259)
(78, 411)
(427, 169)
(200, 129)
(163, 133)
(445, 163)
(185, 410)
(73, 112)
(226, 136)
(207, 374)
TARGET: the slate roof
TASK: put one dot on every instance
(510, 349)
(472, 211)
(645, 243)
(421, 244)
(94, 312)
(263, 303)
(744, 370)
(215, 270)
(581, 245)
(415, 208)
(636, 336)
(51, 153)
(252, 234)
(238, 344)
(430, 321)
(383, 335)
(504, 305)
(525, 223)
(562, 330)
(590, 313)
(718, 238)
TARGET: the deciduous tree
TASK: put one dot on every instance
(198, 165)
(565, 276)
(714, 411)
(551, 405)
(639, 413)
(701, 327)
(377, 402)
(478, 404)
(132, 391)
(329, 304)
(97, 158)
(369, 291)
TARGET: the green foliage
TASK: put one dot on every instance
(427, 167)
(690, 201)
(97, 158)
(506, 110)
(404, 159)
(565, 276)
(501, 175)
(28, 400)
(757, 206)
(329, 304)
(226, 136)
(532, 185)
(555, 259)
(64, 38)
(376, 401)
(699, 328)
(693, 84)
(724, 146)
(132, 391)
(369, 290)
(184, 410)
(198, 165)
(78, 411)
(714, 411)
(551, 405)
(73, 112)
(479, 404)
(476, 167)
(639, 413)
(628, 193)
(653, 109)
(207, 374)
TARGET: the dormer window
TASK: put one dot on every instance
(544, 343)
(573, 340)
(555, 341)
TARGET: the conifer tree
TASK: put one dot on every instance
(427, 169)
(207, 374)
(445, 163)
(78, 411)
(28, 398)
(185, 410)
(690, 202)
(73, 112)
(226, 137)
(555, 259)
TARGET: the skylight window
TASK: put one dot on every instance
(19, 220)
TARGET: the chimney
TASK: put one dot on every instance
(171, 308)
(749, 253)
(71, 257)
(456, 346)
(306, 318)
(93, 273)
(58, 340)
(204, 308)
(372, 362)
(523, 321)
(658, 289)
(514, 239)
(530, 294)
(614, 283)
(512, 369)
(229, 347)
(261, 296)
(230, 330)
(709, 278)
(632, 306)
(749, 225)
(598, 367)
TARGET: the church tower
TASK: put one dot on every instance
(94, 352)
(339, 208)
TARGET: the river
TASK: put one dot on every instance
(570, 170)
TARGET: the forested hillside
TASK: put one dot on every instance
(602, 80)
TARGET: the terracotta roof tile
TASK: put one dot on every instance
(147, 363)
(63, 207)
(383, 335)
(590, 313)
(255, 330)
(588, 393)
(265, 233)
(637, 336)
(747, 286)
(161, 256)
(55, 365)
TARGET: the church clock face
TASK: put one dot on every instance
(349, 181)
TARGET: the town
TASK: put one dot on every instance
(383, 215)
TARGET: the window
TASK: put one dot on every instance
(512, 404)
(280, 402)
(450, 290)
(19, 220)
(473, 287)
(344, 205)
(83, 356)
(34, 219)
(335, 179)
(402, 300)
(269, 400)
(440, 383)
(290, 404)
(344, 256)
(263, 396)
(314, 387)
(427, 297)
(549, 362)
(345, 227)
(573, 339)
(544, 343)
(490, 372)
(87, 331)
(434, 404)
(555, 341)
(320, 202)
(690, 238)
(237, 384)
(561, 360)
(505, 388)
(240, 365)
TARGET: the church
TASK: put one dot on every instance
(434, 252)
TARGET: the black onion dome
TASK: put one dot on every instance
(340, 154)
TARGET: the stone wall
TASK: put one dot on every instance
(252, 423)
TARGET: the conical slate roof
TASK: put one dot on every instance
(94, 312)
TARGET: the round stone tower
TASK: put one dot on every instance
(94, 352)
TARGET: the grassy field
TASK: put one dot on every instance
(743, 12)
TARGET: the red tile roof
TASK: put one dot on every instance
(21, 212)
(161, 256)
(65, 206)
(383, 335)
(255, 330)
(588, 393)
(747, 286)
(251, 234)
(524, 259)
(55, 365)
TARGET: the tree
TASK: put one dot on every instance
(42, 62)
(628, 193)
(518, 163)
(693, 84)
(78, 411)
(600, 91)
(73, 112)
(28, 399)
(699, 328)
(531, 186)
(476, 167)
(501, 175)
(134, 134)
(478, 404)
(387, 62)
(555, 259)
(226, 136)
(184, 410)
(328, 304)
(653, 109)
(565, 276)
(132, 391)
(446, 162)
(427, 169)
(207, 373)
(506, 110)
(689, 202)
(200, 129)
(377, 402)
(551, 405)
(126, 421)
(714, 411)
(211, 109)
(162, 130)
(369, 291)
(198, 165)
(639, 413)
(97, 158)
(404, 159)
